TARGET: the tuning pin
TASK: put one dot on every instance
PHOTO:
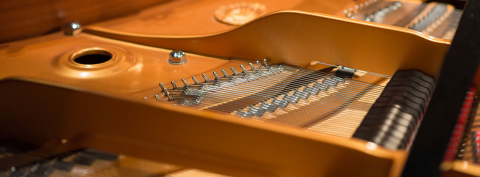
(216, 75)
(174, 85)
(157, 97)
(265, 62)
(398, 4)
(244, 113)
(195, 80)
(185, 82)
(225, 74)
(251, 66)
(233, 71)
(243, 68)
(259, 65)
(205, 78)
(164, 89)
(166, 92)
(256, 111)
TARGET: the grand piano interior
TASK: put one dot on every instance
(239, 88)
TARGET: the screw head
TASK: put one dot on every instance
(177, 57)
(72, 28)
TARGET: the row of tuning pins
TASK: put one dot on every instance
(381, 13)
(430, 18)
(175, 92)
(358, 7)
(282, 101)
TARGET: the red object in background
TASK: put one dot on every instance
(460, 126)
(476, 146)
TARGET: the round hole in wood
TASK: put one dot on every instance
(92, 57)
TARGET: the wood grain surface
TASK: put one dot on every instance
(21, 19)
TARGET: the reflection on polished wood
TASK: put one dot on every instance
(23, 19)
(300, 38)
(109, 106)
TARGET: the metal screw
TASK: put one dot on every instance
(185, 83)
(72, 28)
(195, 80)
(233, 71)
(173, 85)
(243, 68)
(251, 66)
(205, 78)
(259, 65)
(225, 74)
(265, 62)
(177, 57)
(163, 87)
(216, 75)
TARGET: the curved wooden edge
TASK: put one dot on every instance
(297, 38)
(93, 28)
(177, 135)
(460, 168)
(33, 18)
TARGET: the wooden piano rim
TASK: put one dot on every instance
(120, 124)
(346, 43)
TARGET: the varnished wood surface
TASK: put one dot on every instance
(196, 17)
(174, 134)
(21, 19)
(133, 68)
(300, 38)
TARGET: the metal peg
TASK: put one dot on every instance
(251, 66)
(233, 71)
(169, 96)
(216, 75)
(164, 89)
(185, 83)
(265, 62)
(205, 78)
(243, 68)
(173, 84)
(195, 80)
(225, 74)
(259, 65)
